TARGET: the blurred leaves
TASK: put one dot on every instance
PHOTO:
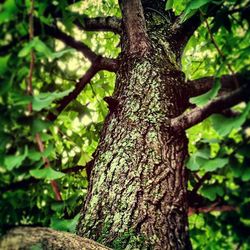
(229, 123)
(26, 196)
(46, 173)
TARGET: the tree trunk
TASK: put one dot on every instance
(137, 195)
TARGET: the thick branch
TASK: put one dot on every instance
(99, 64)
(198, 114)
(109, 23)
(99, 24)
(202, 85)
(46, 238)
(135, 26)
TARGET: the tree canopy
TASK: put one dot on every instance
(57, 64)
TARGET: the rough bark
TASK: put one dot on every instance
(26, 238)
(137, 195)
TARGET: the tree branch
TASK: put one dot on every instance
(211, 208)
(202, 85)
(135, 26)
(99, 64)
(198, 114)
(109, 23)
(46, 238)
(110, 64)
(68, 40)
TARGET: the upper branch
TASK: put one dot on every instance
(99, 64)
(135, 26)
(68, 40)
(110, 64)
(99, 24)
(198, 114)
(109, 23)
(202, 85)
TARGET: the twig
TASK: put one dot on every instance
(53, 183)
(38, 139)
(32, 60)
(221, 53)
(211, 208)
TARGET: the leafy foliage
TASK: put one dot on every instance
(26, 194)
(219, 147)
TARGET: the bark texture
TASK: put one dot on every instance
(28, 238)
(137, 195)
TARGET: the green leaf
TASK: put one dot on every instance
(224, 125)
(39, 125)
(205, 98)
(25, 51)
(4, 64)
(197, 159)
(49, 149)
(44, 100)
(41, 47)
(61, 53)
(192, 8)
(64, 225)
(46, 173)
(84, 159)
(8, 10)
(212, 191)
(15, 161)
(36, 44)
(214, 164)
(246, 174)
(34, 155)
(236, 167)
(19, 99)
(169, 4)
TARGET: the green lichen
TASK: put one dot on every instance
(105, 230)
(129, 240)
(37, 246)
